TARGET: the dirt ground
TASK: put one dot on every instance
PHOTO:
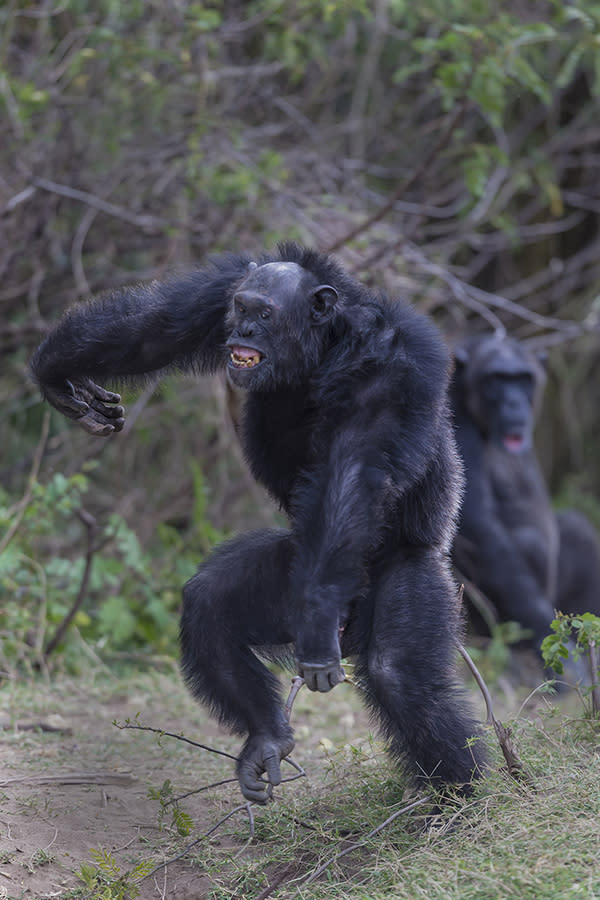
(72, 784)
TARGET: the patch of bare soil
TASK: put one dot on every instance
(73, 784)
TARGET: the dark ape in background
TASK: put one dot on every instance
(346, 423)
(526, 559)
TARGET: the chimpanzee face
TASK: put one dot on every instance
(507, 401)
(502, 381)
(276, 318)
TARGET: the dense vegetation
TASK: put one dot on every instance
(446, 153)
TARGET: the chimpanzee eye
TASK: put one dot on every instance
(240, 309)
(265, 314)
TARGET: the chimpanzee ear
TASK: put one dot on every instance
(323, 303)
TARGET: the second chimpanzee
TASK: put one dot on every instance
(346, 423)
(526, 559)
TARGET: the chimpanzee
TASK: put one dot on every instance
(346, 423)
(526, 559)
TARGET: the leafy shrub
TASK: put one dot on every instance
(61, 559)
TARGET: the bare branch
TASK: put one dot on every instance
(451, 123)
(297, 683)
(504, 734)
(178, 737)
(91, 527)
(118, 212)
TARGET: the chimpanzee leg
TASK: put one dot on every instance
(408, 667)
(578, 564)
(239, 600)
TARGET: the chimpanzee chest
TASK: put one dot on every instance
(277, 437)
(521, 504)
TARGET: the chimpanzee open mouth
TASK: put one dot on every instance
(514, 443)
(245, 357)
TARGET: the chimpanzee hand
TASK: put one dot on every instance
(322, 676)
(83, 400)
(262, 753)
(318, 650)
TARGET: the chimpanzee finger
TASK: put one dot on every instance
(273, 769)
(104, 395)
(109, 412)
(68, 404)
(252, 787)
(89, 424)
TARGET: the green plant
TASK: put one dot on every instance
(180, 820)
(108, 881)
(66, 574)
(575, 636)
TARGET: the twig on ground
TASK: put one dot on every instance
(120, 778)
(297, 683)
(206, 834)
(200, 790)
(336, 857)
(177, 737)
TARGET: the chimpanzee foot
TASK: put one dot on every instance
(262, 754)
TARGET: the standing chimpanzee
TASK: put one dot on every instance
(346, 423)
(511, 545)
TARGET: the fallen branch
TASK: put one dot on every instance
(177, 737)
(121, 778)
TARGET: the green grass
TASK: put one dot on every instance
(540, 842)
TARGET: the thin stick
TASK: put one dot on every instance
(297, 682)
(178, 737)
(184, 852)
(451, 123)
(205, 787)
(333, 859)
(91, 527)
(594, 677)
(504, 734)
(118, 212)
(481, 683)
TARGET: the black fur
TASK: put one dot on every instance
(511, 545)
(346, 423)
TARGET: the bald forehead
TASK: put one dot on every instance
(505, 356)
(284, 276)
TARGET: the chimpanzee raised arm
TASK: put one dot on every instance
(346, 423)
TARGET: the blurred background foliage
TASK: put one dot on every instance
(447, 152)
